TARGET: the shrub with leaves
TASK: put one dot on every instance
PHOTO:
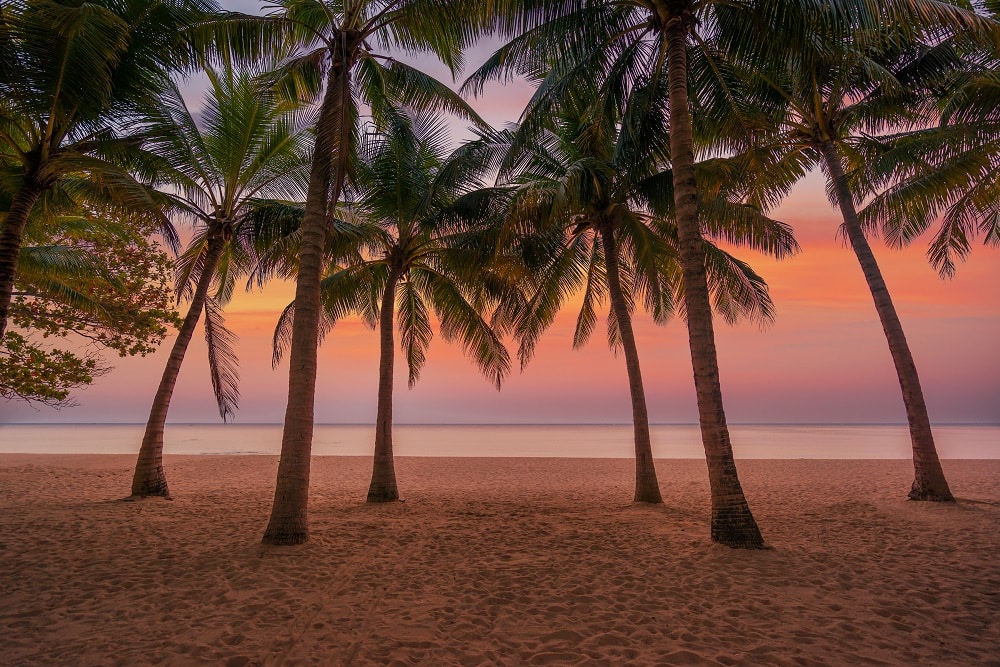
(101, 286)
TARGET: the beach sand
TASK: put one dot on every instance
(495, 561)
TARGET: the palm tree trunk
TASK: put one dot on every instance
(646, 488)
(149, 478)
(10, 246)
(929, 482)
(383, 486)
(289, 513)
(732, 522)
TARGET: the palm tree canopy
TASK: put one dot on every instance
(873, 92)
(948, 173)
(75, 76)
(247, 153)
(318, 34)
(591, 166)
(404, 207)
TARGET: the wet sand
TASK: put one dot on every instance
(495, 561)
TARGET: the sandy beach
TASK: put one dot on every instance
(495, 561)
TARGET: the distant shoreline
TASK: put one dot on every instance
(501, 424)
(670, 441)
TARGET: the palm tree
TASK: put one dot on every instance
(72, 73)
(590, 174)
(337, 56)
(248, 149)
(870, 80)
(418, 255)
(571, 45)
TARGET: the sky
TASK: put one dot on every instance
(824, 360)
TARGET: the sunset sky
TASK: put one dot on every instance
(824, 360)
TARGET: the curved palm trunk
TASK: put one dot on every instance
(289, 513)
(10, 246)
(383, 486)
(646, 488)
(149, 478)
(929, 482)
(732, 522)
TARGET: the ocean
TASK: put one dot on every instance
(779, 441)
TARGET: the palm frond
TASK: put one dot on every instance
(738, 292)
(415, 331)
(462, 322)
(400, 84)
(223, 364)
(593, 294)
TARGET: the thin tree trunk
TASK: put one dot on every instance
(929, 482)
(383, 485)
(149, 478)
(289, 513)
(10, 246)
(732, 522)
(646, 488)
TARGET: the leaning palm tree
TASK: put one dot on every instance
(866, 82)
(248, 150)
(340, 62)
(73, 75)
(614, 41)
(586, 177)
(417, 255)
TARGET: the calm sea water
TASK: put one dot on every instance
(582, 441)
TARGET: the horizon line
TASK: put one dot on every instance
(628, 423)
